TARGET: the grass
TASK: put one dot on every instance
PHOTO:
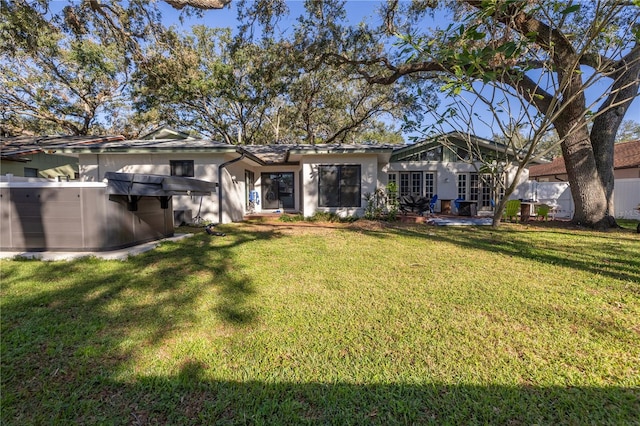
(332, 324)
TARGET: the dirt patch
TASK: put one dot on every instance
(299, 227)
(369, 225)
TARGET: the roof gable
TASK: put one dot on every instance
(166, 132)
(415, 151)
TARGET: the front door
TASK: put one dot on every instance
(277, 191)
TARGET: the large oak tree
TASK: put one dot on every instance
(573, 45)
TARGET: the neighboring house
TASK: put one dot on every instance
(551, 186)
(39, 157)
(626, 165)
(293, 178)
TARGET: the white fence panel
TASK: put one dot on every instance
(557, 195)
(626, 198)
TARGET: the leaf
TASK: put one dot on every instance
(509, 49)
(488, 76)
(571, 9)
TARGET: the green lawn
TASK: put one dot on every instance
(331, 324)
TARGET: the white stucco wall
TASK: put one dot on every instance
(524, 190)
(447, 172)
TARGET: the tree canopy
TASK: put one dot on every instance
(554, 55)
(102, 65)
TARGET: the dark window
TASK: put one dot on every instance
(393, 179)
(404, 184)
(462, 187)
(30, 172)
(434, 154)
(339, 186)
(416, 184)
(182, 168)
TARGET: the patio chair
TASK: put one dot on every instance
(511, 209)
(432, 204)
(456, 203)
(542, 210)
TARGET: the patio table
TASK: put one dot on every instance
(526, 207)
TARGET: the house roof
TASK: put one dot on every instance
(269, 154)
(625, 155)
(455, 138)
(289, 153)
(262, 154)
(140, 145)
(166, 132)
(15, 149)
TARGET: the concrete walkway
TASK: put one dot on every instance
(459, 221)
(122, 254)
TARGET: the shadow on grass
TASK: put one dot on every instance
(73, 302)
(65, 345)
(619, 250)
(191, 398)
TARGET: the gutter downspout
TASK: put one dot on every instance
(220, 168)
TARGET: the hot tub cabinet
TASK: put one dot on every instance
(82, 216)
(76, 217)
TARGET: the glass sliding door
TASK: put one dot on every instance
(277, 190)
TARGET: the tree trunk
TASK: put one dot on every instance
(603, 135)
(587, 189)
(605, 126)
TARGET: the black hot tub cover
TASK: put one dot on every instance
(155, 185)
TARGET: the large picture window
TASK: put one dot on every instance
(182, 168)
(339, 186)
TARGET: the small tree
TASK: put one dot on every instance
(474, 107)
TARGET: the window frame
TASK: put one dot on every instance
(430, 187)
(32, 172)
(179, 165)
(348, 194)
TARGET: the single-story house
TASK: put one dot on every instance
(296, 178)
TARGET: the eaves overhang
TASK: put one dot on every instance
(451, 138)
